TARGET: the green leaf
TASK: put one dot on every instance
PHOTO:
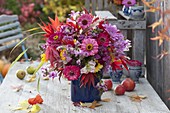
(39, 66)
(24, 40)
(33, 29)
(18, 58)
(38, 84)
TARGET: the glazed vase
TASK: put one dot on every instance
(84, 93)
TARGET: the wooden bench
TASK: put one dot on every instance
(56, 96)
(10, 32)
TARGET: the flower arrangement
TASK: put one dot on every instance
(82, 47)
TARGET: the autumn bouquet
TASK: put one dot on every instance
(81, 48)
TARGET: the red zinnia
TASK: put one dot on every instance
(103, 39)
(71, 72)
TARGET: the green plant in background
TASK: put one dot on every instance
(61, 8)
(30, 13)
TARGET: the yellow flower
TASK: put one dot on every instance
(43, 58)
(98, 67)
(62, 54)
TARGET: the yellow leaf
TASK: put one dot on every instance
(22, 105)
(85, 104)
(46, 78)
(35, 109)
(31, 79)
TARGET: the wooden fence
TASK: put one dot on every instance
(158, 71)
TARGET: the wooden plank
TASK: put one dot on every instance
(105, 15)
(125, 24)
(94, 6)
(166, 63)
(138, 45)
(56, 96)
(11, 38)
(9, 26)
(7, 46)
(10, 32)
(87, 4)
(100, 4)
(8, 18)
(106, 5)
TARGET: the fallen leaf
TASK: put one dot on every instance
(106, 100)
(46, 78)
(137, 98)
(90, 105)
(32, 78)
(17, 88)
(94, 103)
(85, 104)
(22, 105)
(35, 109)
(36, 100)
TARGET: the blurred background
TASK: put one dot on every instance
(30, 13)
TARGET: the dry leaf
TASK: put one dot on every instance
(35, 109)
(46, 78)
(94, 103)
(85, 104)
(137, 98)
(154, 25)
(36, 100)
(106, 100)
(31, 78)
(90, 105)
(17, 88)
(22, 105)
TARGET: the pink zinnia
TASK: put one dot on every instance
(128, 3)
(103, 39)
(85, 20)
(71, 72)
(89, 46)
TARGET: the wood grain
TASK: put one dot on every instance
(56, 96)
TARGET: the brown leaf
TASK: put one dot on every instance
(154, 25)
(90, 105)
(93, 105)
(106, 100)
(137, 98)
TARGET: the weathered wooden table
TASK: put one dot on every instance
(56, 97)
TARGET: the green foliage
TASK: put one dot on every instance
(61, 8)
(12, 5)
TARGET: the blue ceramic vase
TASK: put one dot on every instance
(116, 75)
(84, 94)
(126, 10)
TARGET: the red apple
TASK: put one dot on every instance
(108, 84)
(129, 84)
(119, 90)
